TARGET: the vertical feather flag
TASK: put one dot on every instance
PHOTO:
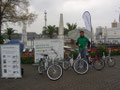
(87, 20)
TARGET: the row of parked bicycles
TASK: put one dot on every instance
(54, 67)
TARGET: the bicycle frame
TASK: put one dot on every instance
(70, 59)
(56, 60)
(109, 54)
(45, 59)
(93, 59)
(79, 56)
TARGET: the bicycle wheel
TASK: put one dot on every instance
(98, 64)
(41, 67)
(66, 65)
(54, 72)
(80, 67)
(111, 62)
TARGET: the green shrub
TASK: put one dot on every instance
(1, 39)
(27, 60)
(75, 54)
(92, 54)
(106, 53)
(100, 50)
(115, 53)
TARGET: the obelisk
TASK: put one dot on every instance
(61, 28)
(24, 35)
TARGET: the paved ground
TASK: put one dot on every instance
(107, 79)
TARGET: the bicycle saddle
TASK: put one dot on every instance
(88, 50)
(72, 51)
(45, 55)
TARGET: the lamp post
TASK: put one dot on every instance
(45, 17)
(33, 40)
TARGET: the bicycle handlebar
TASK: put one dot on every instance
(54, 51)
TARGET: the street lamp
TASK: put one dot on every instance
(45, 17)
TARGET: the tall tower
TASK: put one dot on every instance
(114, 24)
(45, 17)
(24, 35)
(119, 18)
(61, 27)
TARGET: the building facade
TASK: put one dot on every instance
(108, 35)
(31, 36)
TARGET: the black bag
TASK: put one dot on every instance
(22, 71)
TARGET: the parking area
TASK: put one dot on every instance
(107, 79)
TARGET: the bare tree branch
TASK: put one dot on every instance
(15, 11)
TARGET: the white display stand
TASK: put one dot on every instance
(10, 61)
(44, 47)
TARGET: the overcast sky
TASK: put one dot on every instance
(103, 12)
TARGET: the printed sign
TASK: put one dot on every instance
(52, 47)
(10, 61)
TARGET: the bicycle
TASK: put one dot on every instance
(108, 59)
(54, 71)
(97, 63)
(79, 65)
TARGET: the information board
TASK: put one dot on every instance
(10, 61)
(45, 47)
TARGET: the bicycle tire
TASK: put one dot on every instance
(66, 65)
(111, 62)
(54, 69)
(100, 63)
(78, 65)
(41, 68)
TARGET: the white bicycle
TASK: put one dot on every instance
(79, 65)
(54, 71)
(108, 59)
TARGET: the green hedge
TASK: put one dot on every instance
(115, 53)
(101, 49)
(93, 54)
(27, 60)
(75, 54)
(99, 52)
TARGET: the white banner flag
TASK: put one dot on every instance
(87, 20)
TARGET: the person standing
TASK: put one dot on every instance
(82, 43)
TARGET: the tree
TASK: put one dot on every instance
(9, 32)
(70, 27)
(50, 31)
(15, 11)
(1, 39)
